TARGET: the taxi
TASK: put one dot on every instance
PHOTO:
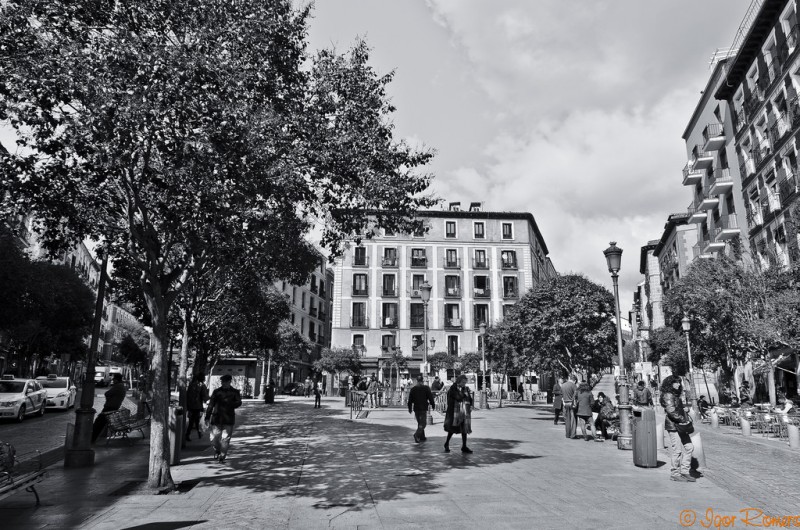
(21, 397)
(61, 391)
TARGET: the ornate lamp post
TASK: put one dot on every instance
(686, 324)
(624, 440)
(425, 293)
(482, 338)
(430, 413)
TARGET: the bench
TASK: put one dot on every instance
(27, 472)
(125, 420)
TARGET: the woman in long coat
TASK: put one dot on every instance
(457, 416)
(557, 401)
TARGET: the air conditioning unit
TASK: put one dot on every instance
(416, 293)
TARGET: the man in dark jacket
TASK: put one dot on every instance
(419, 398)
(115, 395)
(222, 416)
(681, 447)
(196, 397)
(642, 396)
(569, 396)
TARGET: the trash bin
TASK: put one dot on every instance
(177, 428)
(644, 438)
(269, 395)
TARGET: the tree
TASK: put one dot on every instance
(560, 325)
(668, 348)
(130, 352)
(338, 360)
(441, 360)
(182, 126)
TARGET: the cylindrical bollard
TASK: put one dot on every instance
(745, 426)
(698, 453)
(714, 420)
(794, 436)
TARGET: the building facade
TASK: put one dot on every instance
(478, 265)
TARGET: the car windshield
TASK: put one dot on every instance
(11, 387)
(54, 383)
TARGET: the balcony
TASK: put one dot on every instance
(389, 292)
(713, 137)
(419, 262)
(313, 312)
(711, 245)
(389, 262)
(697, 250)
(452, 263)
(509, 264)
(359, 322)
(720, 182)
(481, 293)
(691, 176)
(312, 336)
(453, 323)
(360, 261)
(388, 322)
(701, 159)
(696, 215)
(751, 104)
(791, 37)
(360, 292)
(417, 322)
(739, 120)
(761, 153)
(707, 203)
(452, 292)
(787, 188)
(747, 168)
(770, 204)
(321, 315)
(727, 228)
(754, 218)
(510, 292)
(480, 264)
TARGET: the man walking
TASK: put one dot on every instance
(196, 397)
(220, 413)
(437, 385)
(418, 399)
(642, 396)
(372, 392)
(115, 395)
(569, 391)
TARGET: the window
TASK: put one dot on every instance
(389, 285)
(312, 331)
(359, 319)
(390, 257)
(387, 342)
(360, 285)
(479, 230)
(451, 259)
(420, 231)
(452, 316)
(322, 289)
(480, 287)
(509, 259)
(481, 315)
(480, 260)
(389, 315)
(450, 229)
(360, 257)
(452, 344)
(506, 309)
(510, 287)
(313, 284)
(417, 316)
(294, 295)
(508, 231)
(452, 286)
(291, 318)
(303, 300)
(389, 232)
(418, 257)
(302, 325)
(358, 342)
(416, 282)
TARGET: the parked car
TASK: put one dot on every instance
(293, 389)
(21, 397)
(60, 391)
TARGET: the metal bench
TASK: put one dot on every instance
(27, 472)
(126, 420)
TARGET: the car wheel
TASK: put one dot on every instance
(41, 409)
(21, 414)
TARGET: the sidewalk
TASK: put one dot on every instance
(292, 466)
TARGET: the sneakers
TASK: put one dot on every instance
(689, 478)
(466, 449)
(678, 478)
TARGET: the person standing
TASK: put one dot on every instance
(456, 418)
(318, 395)
(115, 395)
(222, 416)
(642, 397)
(557, 401)
(585, 401)
(307, 387)
(437, 385)
(678, 425)
(419, 398)
(569, 394)
(372, 392)
(196, 397)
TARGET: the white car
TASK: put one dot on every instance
(60, 391)
(21, 397)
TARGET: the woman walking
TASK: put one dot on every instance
(679, 426)
(458, 418)
(557, 402)
(585, 401)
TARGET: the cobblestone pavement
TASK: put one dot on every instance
(292, 466)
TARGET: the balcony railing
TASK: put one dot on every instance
(313, 312)
(788, 187)
(792, 37)
(510, 292)
(417, 322)
(419, 261)
(509, 263)
(480, 264)
(727, 227)
(713, 137)
(360, 261)
(696, 215)
(720, 182)
(698, 251)
(481, 293)
(452, 323)
(360, 292)
(739, 119)
(389, 261)
(691, 176)
(452, 292)
(701, 159)
(389, 322)
(454, 263)
(754, 218)
(359, 322)
(390, 292)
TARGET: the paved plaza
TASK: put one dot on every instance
(293, 466)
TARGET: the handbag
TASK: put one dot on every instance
(458, 415)
(685, 428)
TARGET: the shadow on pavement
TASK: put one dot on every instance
(164, 526)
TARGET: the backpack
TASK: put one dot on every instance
(7, 457)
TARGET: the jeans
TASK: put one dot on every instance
(570, 425)
(584, 421)
(600, 423)
(681, 450)
(422, 422)
(221, 438)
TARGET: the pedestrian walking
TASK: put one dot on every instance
(437, 384)
(679, 426)
(419, 398)
(318, 395)
(372, 392)
(221, 414)
(642, 397)
(115, 395)
(458, 417)
(196, 397)
(569, 395)
(585, 400)
(557, 401)
(308, 386)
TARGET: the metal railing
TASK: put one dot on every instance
(480, 264)
(360, 322)
(712, 130)
(481, 293)
(452, 292)
(419, 261)
(452, 263)
(389, 262)
(360, 261)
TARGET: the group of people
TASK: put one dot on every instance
(313, 387)
(458, 416)
(577, 404)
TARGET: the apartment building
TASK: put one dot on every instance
(760, 88)
(676, 249)
(478, 264)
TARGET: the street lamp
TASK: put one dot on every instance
(686, 324)
(624, 440)
(425, 293)
(482, 338)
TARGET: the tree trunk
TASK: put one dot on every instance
(771, 382)
(183, 365)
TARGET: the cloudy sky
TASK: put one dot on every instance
(572, 111)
